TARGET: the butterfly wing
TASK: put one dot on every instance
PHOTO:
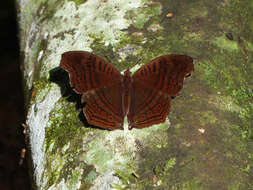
(88, 71)
(153, 86)
(147, 106)
(103, 107)
(100, 85)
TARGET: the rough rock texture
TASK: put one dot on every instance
(206, 143)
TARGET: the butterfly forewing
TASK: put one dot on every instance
(88, 71)
(165, 73)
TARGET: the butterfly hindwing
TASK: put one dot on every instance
(103, 107)
(147, 106)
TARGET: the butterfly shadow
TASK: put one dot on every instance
(61, 78)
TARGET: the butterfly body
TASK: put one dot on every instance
(126, 94)
(144, 97)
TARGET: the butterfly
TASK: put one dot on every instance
(144, 97)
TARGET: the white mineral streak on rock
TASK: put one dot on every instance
(37, 120)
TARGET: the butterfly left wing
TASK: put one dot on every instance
(153, 86)
(100, 85)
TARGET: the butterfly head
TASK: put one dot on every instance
(127, 73)
(127, 77)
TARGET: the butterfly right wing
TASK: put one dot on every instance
(100, 85)
(153, 86)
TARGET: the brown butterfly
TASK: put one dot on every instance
(144, 97)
